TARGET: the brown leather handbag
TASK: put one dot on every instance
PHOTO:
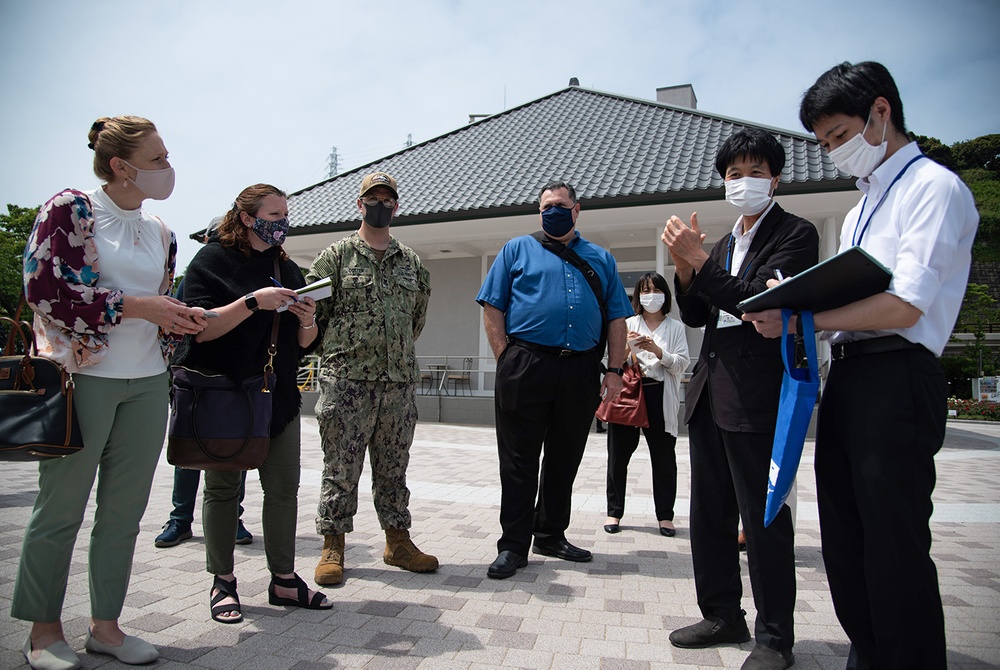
(629, 408)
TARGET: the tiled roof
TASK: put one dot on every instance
(613, 149)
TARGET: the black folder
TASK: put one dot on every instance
(849, 276)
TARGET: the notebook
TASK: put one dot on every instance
(840, 280)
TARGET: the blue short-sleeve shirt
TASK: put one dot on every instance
(546, 300)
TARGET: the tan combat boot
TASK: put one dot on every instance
(330, 570)
(400, 551)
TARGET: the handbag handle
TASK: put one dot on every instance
(246, 440)
(9, 347)
(808, 337)
(27, 341)
(25, 370)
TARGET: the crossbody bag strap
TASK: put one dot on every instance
(165, 240)
(272, 348)
(11, 343)
(573, 258)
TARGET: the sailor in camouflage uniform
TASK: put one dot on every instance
(368, 379)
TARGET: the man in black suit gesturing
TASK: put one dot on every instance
(731, 403)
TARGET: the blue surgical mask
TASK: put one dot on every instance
(272, 232)
(557, 221)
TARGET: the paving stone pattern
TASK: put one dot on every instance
(612, 613)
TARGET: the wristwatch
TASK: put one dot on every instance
(617, 371)
(251, 302)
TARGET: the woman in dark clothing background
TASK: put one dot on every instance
(231, 276)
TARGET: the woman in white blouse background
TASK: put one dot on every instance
(659, 344)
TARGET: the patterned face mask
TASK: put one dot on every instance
(272, 232)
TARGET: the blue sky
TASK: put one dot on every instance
(248, 91)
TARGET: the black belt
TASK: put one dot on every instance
(876, 345)
(555, 351)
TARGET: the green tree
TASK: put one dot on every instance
(936, 150)
(15, 226)
(978, 315)
(982, 152)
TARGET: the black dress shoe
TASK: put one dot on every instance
(765, 658)
(561, 549)
(506, 565)
(668, 532)
(612, 528)
(709, 632)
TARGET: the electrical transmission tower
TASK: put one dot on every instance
(331, 164)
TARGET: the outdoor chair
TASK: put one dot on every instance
(461, 377)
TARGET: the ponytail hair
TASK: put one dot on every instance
(116, 136)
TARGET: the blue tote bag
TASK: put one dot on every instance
(799, 388)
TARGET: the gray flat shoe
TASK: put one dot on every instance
(57, 656)
(132, 650)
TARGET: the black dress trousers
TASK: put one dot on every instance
(729, 473)
(544, 408)
(881, 420)
(622, 443)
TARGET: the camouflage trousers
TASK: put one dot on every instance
(355, 417)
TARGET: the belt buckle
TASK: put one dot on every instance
(566, 353)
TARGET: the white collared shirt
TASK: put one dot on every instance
(923, 232)
(741, 241)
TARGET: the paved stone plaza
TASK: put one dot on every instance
(614, 612)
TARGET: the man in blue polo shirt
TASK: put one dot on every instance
(545, 325)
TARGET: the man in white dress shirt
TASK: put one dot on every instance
(882, 416)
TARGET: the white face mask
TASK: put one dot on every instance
(652, 302)
(749, 195)
(857, 157)
(155, 184)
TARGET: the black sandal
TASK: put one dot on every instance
(226, 590)
(302, 601)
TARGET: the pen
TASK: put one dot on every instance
(777, 275)
(278, 284)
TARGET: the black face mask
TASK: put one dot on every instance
(378, 216)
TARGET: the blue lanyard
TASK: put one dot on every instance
(729, 259)
(855, 238)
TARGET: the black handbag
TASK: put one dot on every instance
(37, 418)
(217, 423)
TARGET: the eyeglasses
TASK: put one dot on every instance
(388, 203)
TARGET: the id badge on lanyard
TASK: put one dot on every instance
(727, 320)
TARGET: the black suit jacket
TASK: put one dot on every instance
(738, 370)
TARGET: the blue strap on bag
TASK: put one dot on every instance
(799, 389)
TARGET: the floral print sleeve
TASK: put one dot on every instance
(73, 315)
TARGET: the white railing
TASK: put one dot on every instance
(456, 375)
(439, 375)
